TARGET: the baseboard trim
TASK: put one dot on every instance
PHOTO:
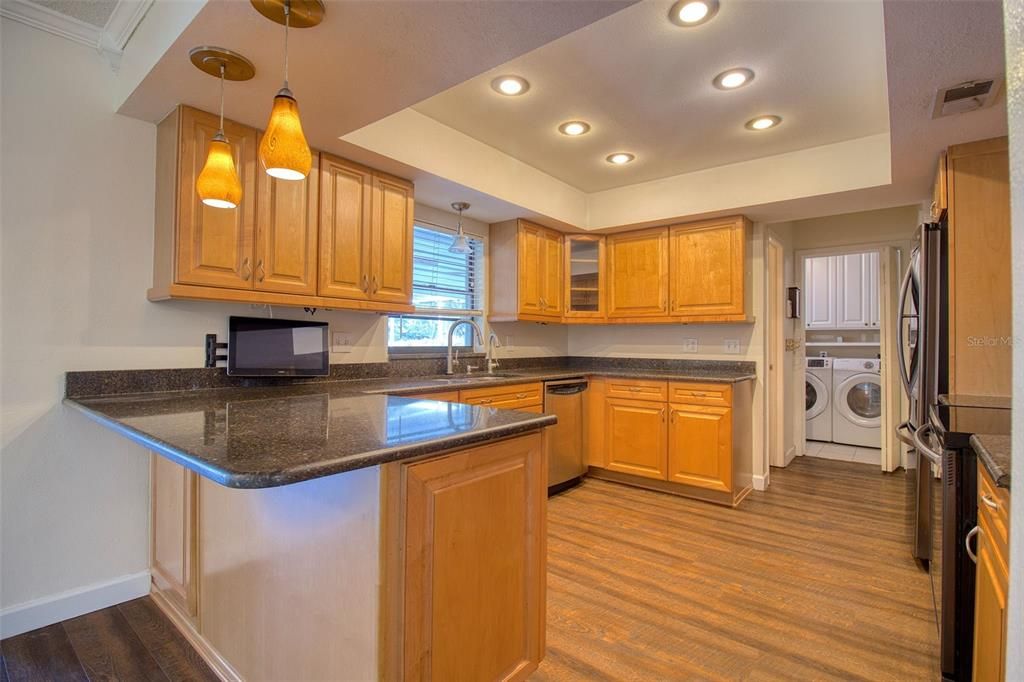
(38, 613)
(760, 482)
(789, 456)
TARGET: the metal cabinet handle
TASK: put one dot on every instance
(375, 285)
(935, 209)
(260, 272)
(246, 270)
(635, 389)
(543, 304)
(989, 502)
(366, 283)
(967, 543)
(484, 401)
(697, 394)
(662, 412)
(520, 395)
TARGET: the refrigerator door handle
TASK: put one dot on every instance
(904, 434)
(900, 338)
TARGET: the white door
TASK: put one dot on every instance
(871, 287)
(852, 309)
(819, 290)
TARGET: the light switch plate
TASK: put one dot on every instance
(731, 346)
(341, 342)
(689, 345)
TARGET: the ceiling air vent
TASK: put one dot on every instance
(967, 96)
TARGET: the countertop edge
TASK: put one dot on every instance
(1000, 476)
(319, 469)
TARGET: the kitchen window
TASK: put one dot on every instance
(446, 286)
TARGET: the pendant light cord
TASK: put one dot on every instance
(287, 21)
(222, 65)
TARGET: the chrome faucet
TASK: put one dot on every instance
(451, 337)
(492, 343)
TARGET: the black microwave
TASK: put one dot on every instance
(267, 347)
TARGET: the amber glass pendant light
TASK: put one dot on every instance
(284, 151)
(218, 184)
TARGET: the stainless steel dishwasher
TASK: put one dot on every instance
(564, 440)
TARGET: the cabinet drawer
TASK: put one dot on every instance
(994, 505)
(637, 389)
(719, 395)
(442, 396)
(511, 397)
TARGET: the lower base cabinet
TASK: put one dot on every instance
(471, 534)
(992, 582)
(694, 441)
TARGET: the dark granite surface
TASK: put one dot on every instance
(261, 432)
(265, 437)
(962, 400)
(993, 452)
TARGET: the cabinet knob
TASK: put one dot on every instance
(989, 502)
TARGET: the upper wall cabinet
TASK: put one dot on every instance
(842, 291)
(341, 238)
(526, 272)
(638, 274)
(585, 274)
(709, 269)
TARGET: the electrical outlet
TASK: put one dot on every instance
(731, 346)
(341, 342)
(689, 345)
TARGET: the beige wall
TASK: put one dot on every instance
(849, 229)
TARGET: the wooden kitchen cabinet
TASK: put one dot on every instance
(526, 272)
(638, 267)
(211, 246)
(709, 270)
(585, 273)
(173, 559)
(471, 614)
(980, 319)
(687, 438)
(341, 238)
(700, 446)
(992, 582)
(636, 435)
(287, 221)
(511, 397)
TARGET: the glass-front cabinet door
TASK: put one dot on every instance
(584, 276)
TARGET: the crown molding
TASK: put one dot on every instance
(109, 40)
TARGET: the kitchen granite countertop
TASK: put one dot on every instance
(259, 436)
(994, 453)
(962, 400)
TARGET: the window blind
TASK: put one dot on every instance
(442, 280)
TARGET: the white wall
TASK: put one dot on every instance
(77, 245)
(1014, 25)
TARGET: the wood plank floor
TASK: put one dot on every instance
(128, 642)
(811, 580)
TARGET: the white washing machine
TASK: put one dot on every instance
(857, 402)
(818, 399)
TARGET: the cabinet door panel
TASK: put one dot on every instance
(638, 274)
(707, 269)
(391, 274)
(820, 297)
(700, 446)
(872, 286)
(851, 291)
(286, 233)
(551, 244)
(636, 435)
(472, 614)
(215, 245)
(531, 267)
(584, 276)
(345, 214)
(173, 527)
(989, 611)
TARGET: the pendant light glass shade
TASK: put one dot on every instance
(461, 244)
(284, 152)
(218, 184)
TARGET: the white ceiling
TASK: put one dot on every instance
(645, 86)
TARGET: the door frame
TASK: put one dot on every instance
(892, 256)
(775, 383)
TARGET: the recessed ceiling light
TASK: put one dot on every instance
(620, 158)
(733, 78)
(574, 128)
(692, 12)
(510, 85)
(763, 122)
